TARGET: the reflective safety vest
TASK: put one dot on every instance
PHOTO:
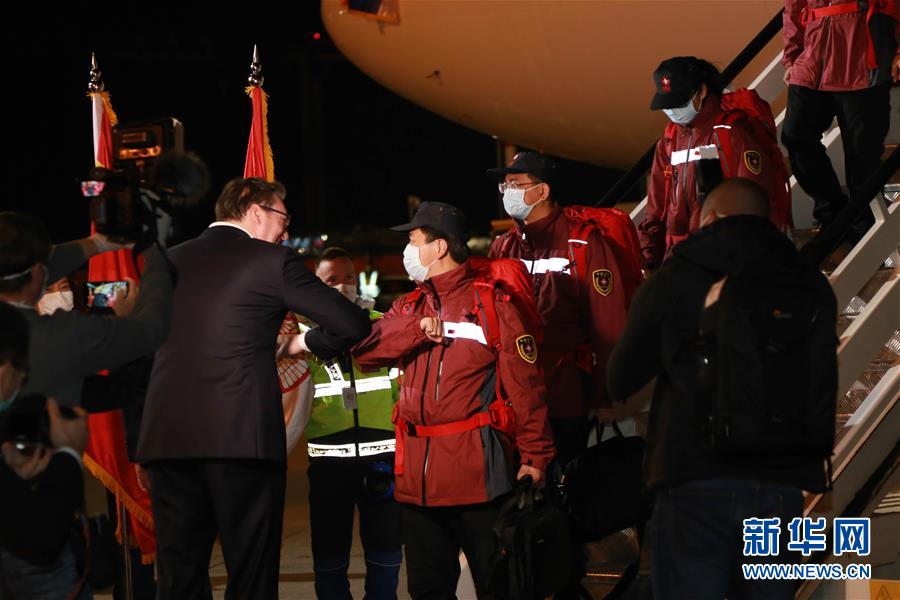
(376, 394)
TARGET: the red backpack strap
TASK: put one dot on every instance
(486, 297)
(506, 243)
(486, 310)
(411, 301)
(669, 133)
(722, 134)
(578, 243)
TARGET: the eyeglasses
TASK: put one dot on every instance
(287, 217)
(514, 186)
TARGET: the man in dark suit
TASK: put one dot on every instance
(212, 433)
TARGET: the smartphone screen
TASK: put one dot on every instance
(103, 293)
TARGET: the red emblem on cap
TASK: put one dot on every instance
(666, 83)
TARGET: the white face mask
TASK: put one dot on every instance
(54, 301)
(348, 290)
(413, 263)
(514, 203)
(683, 115)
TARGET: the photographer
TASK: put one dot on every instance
(66, 347)
(40, 492)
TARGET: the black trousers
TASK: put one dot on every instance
(336, 488)
(434, 537)
(241, 501)
(864, 118)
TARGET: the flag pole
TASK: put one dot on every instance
(96, 82)
(256, 79)
(96, 86)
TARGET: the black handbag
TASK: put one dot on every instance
(603, 486)
(536, 554)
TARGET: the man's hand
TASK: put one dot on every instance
(291, 346)
(104, 244)
(604, 414)
(27, 467)
(68, 433)
(536, 475)
(787, 75)
(433, 328)
(124, 302)
(895, 69)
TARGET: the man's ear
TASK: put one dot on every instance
(443, 248)
(710, 218)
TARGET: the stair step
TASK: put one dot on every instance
(886, 359)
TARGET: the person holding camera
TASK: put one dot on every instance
(212, 434)
(41, 482)
(351, 459)
(66, 347)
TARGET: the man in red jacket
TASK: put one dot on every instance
(582, 321)
(451, 466)
(839, 59)
(687, 164)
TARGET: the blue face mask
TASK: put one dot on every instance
(683, 115)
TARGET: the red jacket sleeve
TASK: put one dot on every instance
(524, 384)
(393, 336)
(793, 31)
(608, 309)
(652, 229)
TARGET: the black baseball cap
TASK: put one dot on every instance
(442, 217)
(539, 165)
(676, 81)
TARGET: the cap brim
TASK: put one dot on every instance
(661, 101)
(406, 227)
(503, 172)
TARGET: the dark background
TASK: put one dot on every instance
(348, 150)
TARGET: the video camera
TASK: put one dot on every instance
(150, 173)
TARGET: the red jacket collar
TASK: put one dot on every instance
(445, 283)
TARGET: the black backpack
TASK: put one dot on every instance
(535, 552)
(754, 375)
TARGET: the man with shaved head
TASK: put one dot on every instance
(703, 496)
(737, 196)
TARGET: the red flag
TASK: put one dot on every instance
(259, 161)
(106, 456)
(109, 266)
(292, 373)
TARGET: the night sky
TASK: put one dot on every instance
(349, 150)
